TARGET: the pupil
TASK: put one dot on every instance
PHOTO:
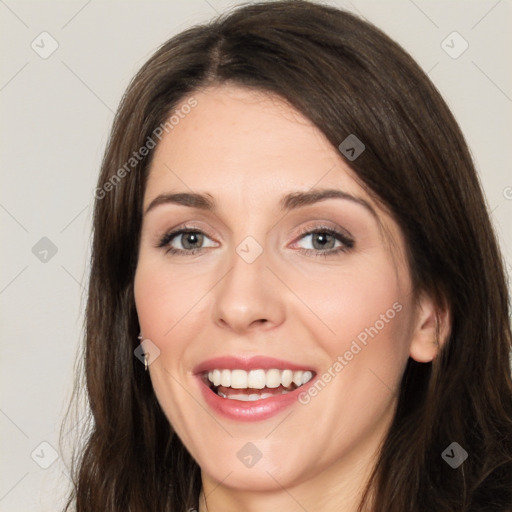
(189, 240)
(322, 236)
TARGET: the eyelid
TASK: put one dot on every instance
(341, 234)
(164, 241)
(346, 240)
(324, 225)
(181, 227)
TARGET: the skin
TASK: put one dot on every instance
(248, 149)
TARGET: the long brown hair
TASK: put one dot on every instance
(347, 77)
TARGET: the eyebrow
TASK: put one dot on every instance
(290, 201)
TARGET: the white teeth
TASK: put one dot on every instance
(287, 378)
(307, 377)
(225, 378)
(297, 378)
(249, 398)
(238, 379)
(258, 379)
(273, 378)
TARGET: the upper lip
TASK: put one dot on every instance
(248, 363)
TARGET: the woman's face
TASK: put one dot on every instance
(267, 290)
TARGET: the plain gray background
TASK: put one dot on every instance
(56, 116)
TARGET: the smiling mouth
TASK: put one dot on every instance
(249, 386)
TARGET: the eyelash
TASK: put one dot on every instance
(347, 242)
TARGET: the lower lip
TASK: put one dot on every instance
(250, 411)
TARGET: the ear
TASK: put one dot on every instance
(431, 329)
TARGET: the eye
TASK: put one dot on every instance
(190, 239)
(324, 240)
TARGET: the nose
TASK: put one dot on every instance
(249, 296)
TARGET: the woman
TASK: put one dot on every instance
(230, 368)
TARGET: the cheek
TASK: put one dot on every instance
(358, 299)
(368, 314)
(164, 306)
(162, 298)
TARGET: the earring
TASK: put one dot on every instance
(146, 356)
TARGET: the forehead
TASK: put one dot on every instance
(240, 140)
